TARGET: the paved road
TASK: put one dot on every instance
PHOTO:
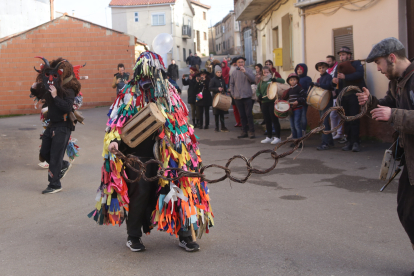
(318, 214)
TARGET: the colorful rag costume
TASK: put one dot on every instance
(177, 204)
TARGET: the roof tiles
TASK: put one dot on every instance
(139, 2)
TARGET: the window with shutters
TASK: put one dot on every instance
(204, 15)
(184, 54)
(205, 36)
(136, 17)
(158, 19)
(287, 54)
(343, 37)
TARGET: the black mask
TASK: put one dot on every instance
(50, 76)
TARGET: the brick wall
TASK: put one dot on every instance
(70, 38)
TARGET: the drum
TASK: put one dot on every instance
(275, 90)
(318, 97)
(221, 102)
(142, 125)
(282, 109)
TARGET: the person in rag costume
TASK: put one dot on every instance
(179, 207)
(58, 86)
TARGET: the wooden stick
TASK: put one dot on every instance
(193, 235)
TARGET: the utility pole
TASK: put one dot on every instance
(52, 9)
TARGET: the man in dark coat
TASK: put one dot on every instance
(196, 61)
(191, 93)
(189, 60)
(350, 102)
(173, 70)
(203, 98)
(397, 109)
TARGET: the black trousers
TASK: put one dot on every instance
(351, 107)
(405, 207)
(203, 110)
(54, 143)
(245, 107)
(142, 202)
(268, 111)
(221, 118)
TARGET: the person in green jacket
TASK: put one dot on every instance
(268, 106)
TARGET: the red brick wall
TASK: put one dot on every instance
(70, 38)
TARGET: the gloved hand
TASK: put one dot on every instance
(316, 84)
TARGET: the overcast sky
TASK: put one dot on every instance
(98, 11)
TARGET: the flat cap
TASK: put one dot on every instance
(384, 48)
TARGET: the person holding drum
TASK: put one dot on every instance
(203, 98)
(191, 93)
(217, 86)
(296, 97)
(325, 82)
(305, 81)
(268, 107)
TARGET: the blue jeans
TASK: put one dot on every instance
(296, 124)
(327, 139)
(304, 119)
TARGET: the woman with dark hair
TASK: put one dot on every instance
(269, 64)
(203, 98)
(259, 72)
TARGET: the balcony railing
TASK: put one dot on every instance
(186, 31)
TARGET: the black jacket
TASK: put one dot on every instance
(196, 61)
(189, 60)
(295, 94)
(58, 107)
(214, 85)
(191, 93)
(173, 71)
(202, 87)
(325, 81)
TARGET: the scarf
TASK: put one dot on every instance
(329, 70)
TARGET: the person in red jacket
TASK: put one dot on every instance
(225, 72)
(269, 64)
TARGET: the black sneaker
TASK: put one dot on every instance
(323, 147)
(355, 147)
(135, 245)
(216, 129)
(51, 190)
(348, 147)
(65, 169)
(243, 135)
(205, 127)
(224, 129)
(188, 244)
(263, 123)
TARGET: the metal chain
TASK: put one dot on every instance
(131, 160)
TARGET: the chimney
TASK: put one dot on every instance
(52, 10)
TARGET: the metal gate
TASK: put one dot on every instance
(248, 51)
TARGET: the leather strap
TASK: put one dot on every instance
(68, 79)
